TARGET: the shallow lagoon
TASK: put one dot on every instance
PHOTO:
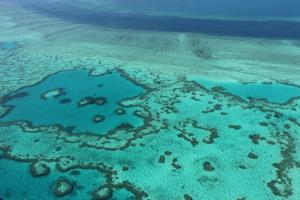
(57, 101)
(272, 92)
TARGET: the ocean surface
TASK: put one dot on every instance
(203, 16)
(154, 100)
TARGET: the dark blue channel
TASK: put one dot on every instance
(273, 29)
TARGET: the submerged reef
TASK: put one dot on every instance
(126, 133)
(62, 187)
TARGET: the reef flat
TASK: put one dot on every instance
(179, 138)
(94, 113)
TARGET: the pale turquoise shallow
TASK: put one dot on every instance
(272, 92)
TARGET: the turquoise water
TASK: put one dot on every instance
(63, 109)
(95, 102)
(122, 194)
(85, 182)
(8, 45)
(14, 174)
(274, 92)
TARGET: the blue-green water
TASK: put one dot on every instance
(18, 183)
(201, 16)
(274, 92)
(138, 131)
(64, 110)
(8, 45)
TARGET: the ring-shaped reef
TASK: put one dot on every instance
(76, 101)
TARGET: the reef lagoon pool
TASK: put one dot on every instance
(149, 100)
(271, 92)
(94, 102)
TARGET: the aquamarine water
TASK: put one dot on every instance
(64, 110)
(8, 45)
(149, 100)
(13, 173)
(272, 92)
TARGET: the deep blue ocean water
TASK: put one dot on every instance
(230, 8)
(256, 25)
